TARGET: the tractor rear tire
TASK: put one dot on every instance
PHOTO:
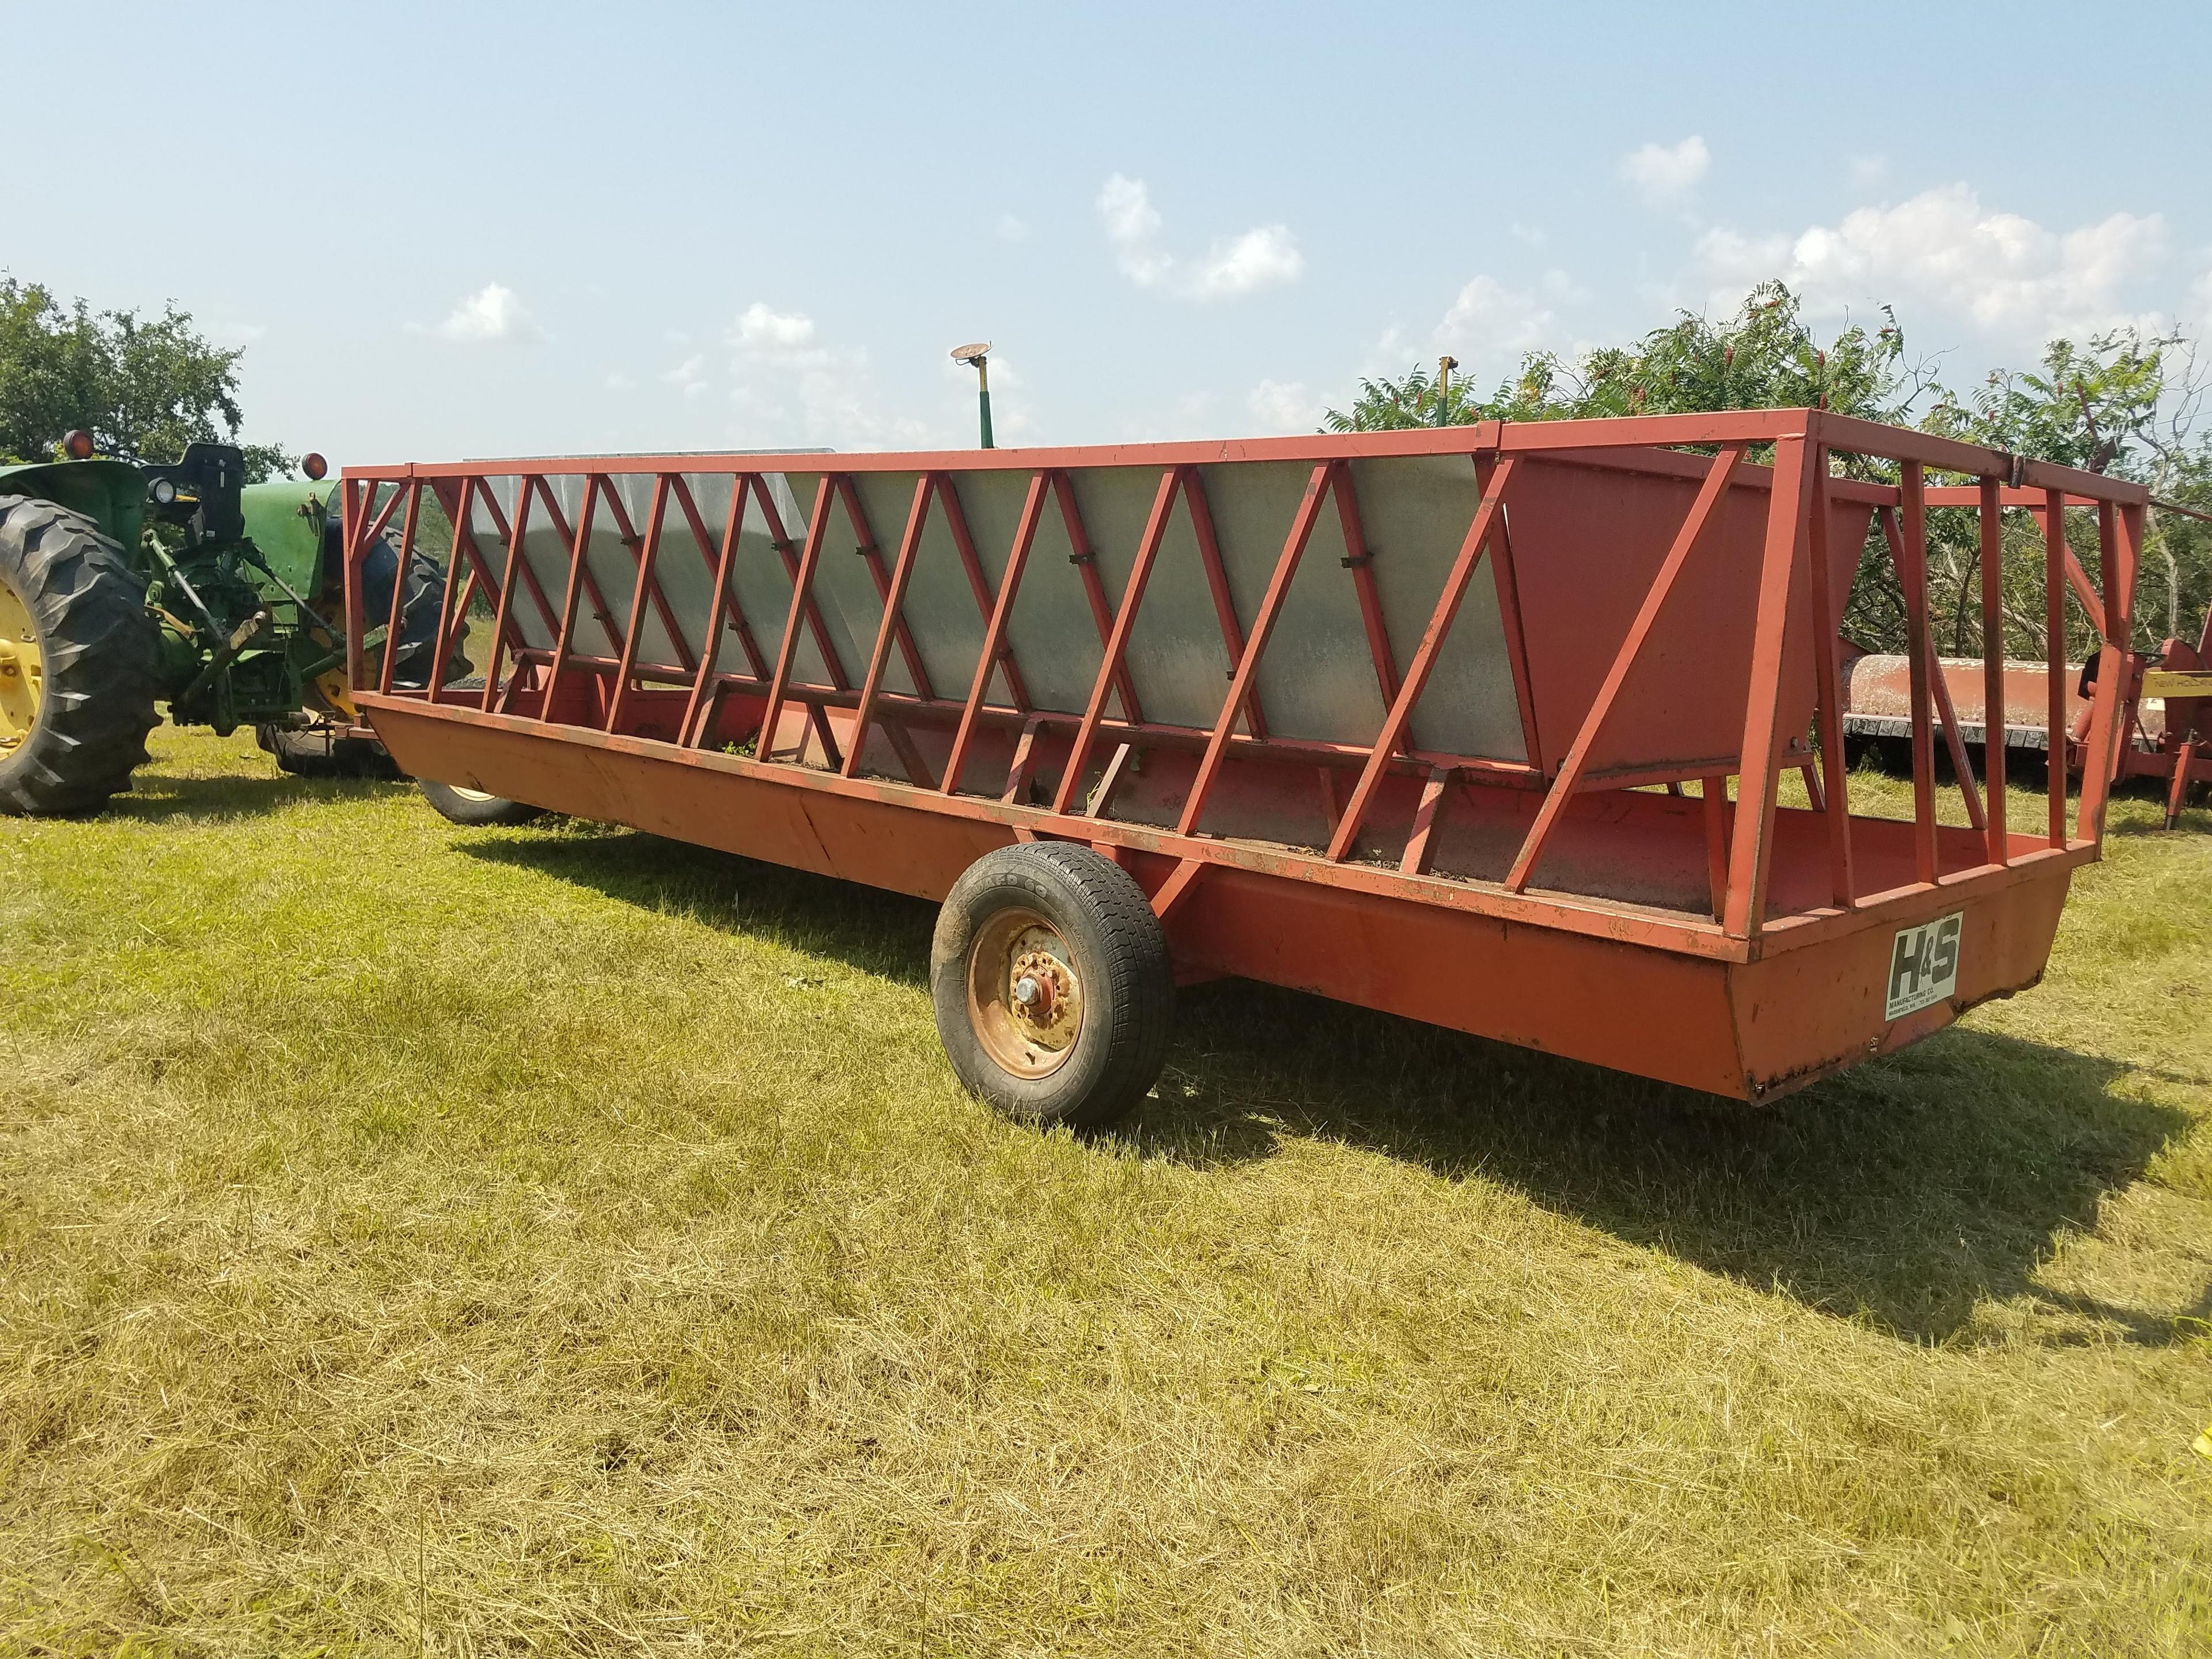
(472, 808)
(81, 664)
(1051, 983)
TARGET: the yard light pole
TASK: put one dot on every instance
(1444, 367)
(977, 356)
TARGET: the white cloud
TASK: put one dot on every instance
(1666, 174)
(618, 382)
(1132, 222)
(1265, 257)
(1493, 323)
(791, 387)
(1869, 171)
(493, 313)
(2014, 278)
(1283, 406)
(689, 376)
(761, 329)
(1533, 235)
(1011, 228)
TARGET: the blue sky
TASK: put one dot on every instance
(444, 231)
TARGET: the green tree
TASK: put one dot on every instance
(1765, 356)
(144, 386)
(2123, 402)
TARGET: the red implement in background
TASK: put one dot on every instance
(1407, 719)
(2165, 718)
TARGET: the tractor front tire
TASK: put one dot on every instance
(473, 809)
(78, 663)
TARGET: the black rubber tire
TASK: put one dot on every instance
(475, 811)
(314, 753)
(1120, 954)
(419, 610)
(96, 703)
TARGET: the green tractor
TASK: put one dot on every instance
(124, 585)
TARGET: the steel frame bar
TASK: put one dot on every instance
(1361, 558)
(689, 730)
(1828, 788)
(1749, 865)
(1085, 560)
(1945, 714)
(2054, 649)
(527, 576)
(648, 550)
(628, 534)
(995, 628)
(399, 589)
(1246, 662)
(579, 576)
(802, 583)
(725, 605)
(1709, 496)
(1428, 819)
(1217, 583)
(2119, 536)
(502, 622)
(600, 609)
(1488, 519)
(1117, 642)
(1993, 718)
(870, 550)
(464, 547)
(1503, 579)
(1910, 554)
(963, 541)
(894, 596)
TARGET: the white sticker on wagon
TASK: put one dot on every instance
(1924, 964)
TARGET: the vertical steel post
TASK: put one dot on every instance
(2054, 652)
(1993, 706)
(445, 595)
(1832, 799)
(1912, 544)
(397, 620)
(1750, 864)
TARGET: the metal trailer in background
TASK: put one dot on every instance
(2165, 718)
(1412, 719)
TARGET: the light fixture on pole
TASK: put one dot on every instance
(977, 356)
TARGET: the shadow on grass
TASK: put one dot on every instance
(157, 797)
(1900, 1194)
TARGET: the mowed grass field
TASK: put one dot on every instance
(418, 1241)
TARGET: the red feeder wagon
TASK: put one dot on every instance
(1406, 719)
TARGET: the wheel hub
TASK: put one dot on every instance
(22, 670)
(1025, 996)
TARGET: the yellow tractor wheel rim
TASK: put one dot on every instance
(22, 671)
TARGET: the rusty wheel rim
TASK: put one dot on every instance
(1024, 997)
(22, 671)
